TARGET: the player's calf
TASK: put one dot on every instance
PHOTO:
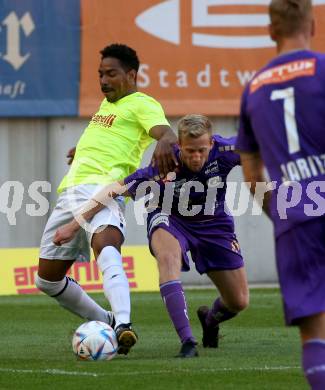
(68, 293)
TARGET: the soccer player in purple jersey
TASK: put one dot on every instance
(187, 219)
(282, 125)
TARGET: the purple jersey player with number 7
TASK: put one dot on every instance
(282, 125)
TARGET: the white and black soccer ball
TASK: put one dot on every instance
(94, 340)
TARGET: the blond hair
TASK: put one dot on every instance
(194, 125)
(290, 17)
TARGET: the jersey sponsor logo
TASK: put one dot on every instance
(284, 72)
(152, 22)
(103, 120)
(212, 168)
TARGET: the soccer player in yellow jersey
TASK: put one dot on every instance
(110, 148)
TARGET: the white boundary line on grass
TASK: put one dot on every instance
(49, 371)
(134, 373)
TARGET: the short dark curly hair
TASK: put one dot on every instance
(125, 54)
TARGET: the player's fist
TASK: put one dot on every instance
(66, 233)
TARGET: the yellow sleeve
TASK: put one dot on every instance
(150, 113)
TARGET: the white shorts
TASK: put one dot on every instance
(69, 204)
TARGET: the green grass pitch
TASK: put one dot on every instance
(256, 352)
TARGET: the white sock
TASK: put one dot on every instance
(73, 298)
(116, 285)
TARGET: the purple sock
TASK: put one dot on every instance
(174, 298)
(218, 313)
(313, 362)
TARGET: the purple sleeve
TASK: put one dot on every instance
(232, 156)
(139, 176)
(226, 146)
(246, 141)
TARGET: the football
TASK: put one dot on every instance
(94, 340)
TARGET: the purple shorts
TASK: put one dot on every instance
(203, 241)
(300, 256)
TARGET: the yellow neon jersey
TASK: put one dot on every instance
(112, 145)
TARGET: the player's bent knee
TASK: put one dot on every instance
(52, 289)
(242, 305)
(239, 303)
(113, 238)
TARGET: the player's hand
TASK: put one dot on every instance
(70, 155)
(66, 233)
(164, 156)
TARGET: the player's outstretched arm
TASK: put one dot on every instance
(68, 231)
(164, 156)
(253, 169)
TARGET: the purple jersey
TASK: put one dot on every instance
(283, 117)
(194, 195)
